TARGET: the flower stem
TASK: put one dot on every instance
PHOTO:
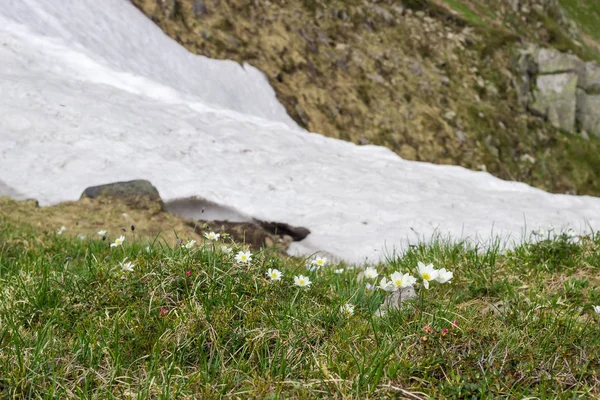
(421, 295)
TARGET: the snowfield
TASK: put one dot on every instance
(92, 92)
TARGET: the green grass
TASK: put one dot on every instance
(469, 14)
(73, 324)
(586, 13)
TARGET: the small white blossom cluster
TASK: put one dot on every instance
(347, 309)
(190, 244)
(212, 236)
(118, 241)
(127, 266)
(427, 273)
(299, 280)
(243, 257)
(316, 264)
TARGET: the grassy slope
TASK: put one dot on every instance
(586, 15)
(374, 72)
(74, 325)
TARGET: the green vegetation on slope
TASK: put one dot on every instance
(194, 323)
(586, 16)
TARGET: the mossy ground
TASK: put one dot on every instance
(431, 80)
(144, 219)
(196, 324)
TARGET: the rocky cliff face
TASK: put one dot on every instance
(562, 88)
(432, 80)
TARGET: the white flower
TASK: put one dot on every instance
(148, 249)
(302, 281)
(540, 232)
(316, 264)
(190, 244)
(226, 250)
(597, 309)
(543, 232)
(81, 237)
(347, 309)
(118, 242)
(371, 273)
(319, 261)
(274, 274)
(127, 266)
(338, 271)
(370, 286)
(428, 273)
(571, 234)
(444, 276)
(243, 257)
(400, 281)
(61, 230)
(386, 285)
(312, 267)
(102, 232)
(212, 236)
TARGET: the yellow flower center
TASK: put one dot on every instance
(301, 281)
(273, 274)
(426, 276)
(398, 282)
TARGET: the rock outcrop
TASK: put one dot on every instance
(137, 193)
(561, 88)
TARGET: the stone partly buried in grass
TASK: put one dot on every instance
(141, 194)
(137, 194)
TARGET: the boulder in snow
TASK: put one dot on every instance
(136, 193)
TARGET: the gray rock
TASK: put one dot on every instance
(552, 61)
(395, 300)
(489, 144)
(199, 8)
(526, 67)
(130, 191)
(588, 112)
(461, 136)
(450, 115)
(556, 99)
(589, 78)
